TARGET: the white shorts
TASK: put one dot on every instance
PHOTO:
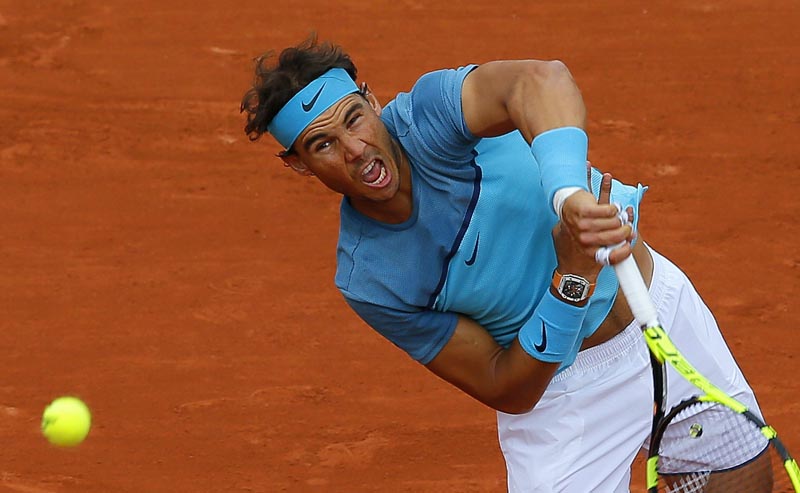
(596, 415)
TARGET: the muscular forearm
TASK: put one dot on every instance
(542, 101)
(520, 379)
(508, 380)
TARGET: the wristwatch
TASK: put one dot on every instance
(572, 287)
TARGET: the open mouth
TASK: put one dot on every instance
(375, 174)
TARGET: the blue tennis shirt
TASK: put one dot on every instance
(478, 242)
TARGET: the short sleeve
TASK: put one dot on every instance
(429, 121)
(421, 334)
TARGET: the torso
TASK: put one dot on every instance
(478, 241)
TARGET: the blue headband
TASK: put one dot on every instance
(312, 100)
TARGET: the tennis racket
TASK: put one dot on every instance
(715, 443)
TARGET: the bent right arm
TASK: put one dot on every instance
(508, 380)
(511, 379)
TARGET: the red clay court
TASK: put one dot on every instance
(179, 279)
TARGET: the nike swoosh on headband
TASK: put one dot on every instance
(307, 106)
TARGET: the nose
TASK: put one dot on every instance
(353, 147)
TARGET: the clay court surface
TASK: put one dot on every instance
(178, 278)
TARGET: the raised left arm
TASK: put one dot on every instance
(530, 95)
(542, 101)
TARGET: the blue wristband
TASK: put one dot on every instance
(561, 154)
(551, 332)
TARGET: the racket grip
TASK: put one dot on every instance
(636, 293)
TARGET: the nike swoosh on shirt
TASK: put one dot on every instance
(541, 347)
(471, 260)
(307, 106)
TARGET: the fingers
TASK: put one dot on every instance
(610, 235)
(617, 231)
(619, 251)
(596, 223)
(603, 255)
(605, 189)
(606, 231)
(583, 205)
(624, 216)
(613, 255)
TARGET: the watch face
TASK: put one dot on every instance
(573, 289)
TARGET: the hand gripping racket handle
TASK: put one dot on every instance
(636, 293)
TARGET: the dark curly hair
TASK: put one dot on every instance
(274, 85)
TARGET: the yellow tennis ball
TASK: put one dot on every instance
(66, 421)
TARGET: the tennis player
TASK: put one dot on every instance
(468, 237)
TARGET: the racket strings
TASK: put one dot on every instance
(707, 447)
(689, 484)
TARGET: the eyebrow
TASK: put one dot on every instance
(352, 109)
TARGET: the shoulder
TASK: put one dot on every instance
(442, 81)
(428, 120)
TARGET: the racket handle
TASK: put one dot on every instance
(636, 293)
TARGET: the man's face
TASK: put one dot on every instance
(349, 150)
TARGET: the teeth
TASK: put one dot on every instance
(368, 168)
(380, 178)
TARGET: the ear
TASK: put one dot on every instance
(372, 99)
(294, 162)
